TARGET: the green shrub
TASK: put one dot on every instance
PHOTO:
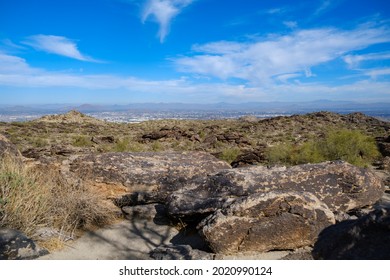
(122, 145)
(348, 145)
(82, 141)
(229, 154)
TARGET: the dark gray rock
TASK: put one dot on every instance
(14, 245)
(179, 252)
(367, 238)
(149, 177)
(264, 222)
(340, 185)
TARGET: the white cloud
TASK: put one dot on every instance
(57, 45)
(290, 24)
(374, 73)
(353, 61)
(258, 62)
(15, 72)
(10, 64)
(163, 11)
(323, 7)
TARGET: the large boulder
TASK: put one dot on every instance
(149, 176)
(340, 185)
(14, 245)
(367, 238)
(7, 148)
(267, 221)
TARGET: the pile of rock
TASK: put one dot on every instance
(252, 209)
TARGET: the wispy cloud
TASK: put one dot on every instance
(57, 45)
(290, 24)
(163, 11)
(353, 61)
(258, 62)
(16, 72)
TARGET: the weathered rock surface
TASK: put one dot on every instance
(264, 222)
(366, 238)
(179, 252)
(384, 145)
(154, 174)
(7, 148)
(340, 185)
(14, 245)
(251, 157)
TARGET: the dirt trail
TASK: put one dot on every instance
(126, 240)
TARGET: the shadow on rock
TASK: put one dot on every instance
(367, 238)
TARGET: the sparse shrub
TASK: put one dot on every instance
(122, 145)
(82, 141)
(156, 146)
(229, 154)
(30, 199)
(348, 145)
(39, 142)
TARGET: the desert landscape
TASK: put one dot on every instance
(310, 186)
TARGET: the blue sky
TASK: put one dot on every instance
(193, 51)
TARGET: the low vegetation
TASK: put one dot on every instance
(31, 199)
(349, 145)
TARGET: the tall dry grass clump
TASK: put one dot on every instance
(31, 199)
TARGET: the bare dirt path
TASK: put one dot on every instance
(126, 240)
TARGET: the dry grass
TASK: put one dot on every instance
(30, 199)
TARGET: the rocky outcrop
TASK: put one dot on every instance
(172, 133)
(251, 157)
(179, 252)
(149, 177)
(384, 145)
(264, 222)
(14, 245)
(341, 186)
(7, 148)
(367, 238)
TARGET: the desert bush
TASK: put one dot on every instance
(229, 154)
(30, 199)
(122, 145)
(348, 145)
(82, 141)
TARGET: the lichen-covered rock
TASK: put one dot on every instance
(179, 252)
(340, 185)
(155, 174)
(7, 148)
(14, 245)
(367, 238)
(264, 222)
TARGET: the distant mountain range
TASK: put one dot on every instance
(266, 107)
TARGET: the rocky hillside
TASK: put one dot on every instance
(240, 142)
(190, 175)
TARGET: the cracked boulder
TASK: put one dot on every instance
(264, 222)
(148, 177)
(340, 185)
